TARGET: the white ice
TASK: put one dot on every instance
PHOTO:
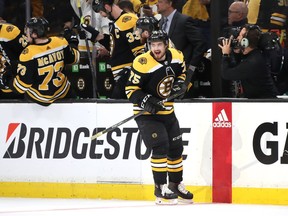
(96, 207)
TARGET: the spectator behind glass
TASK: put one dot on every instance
(237, 14)
(251, 69)
(237, 18)
(183, 33)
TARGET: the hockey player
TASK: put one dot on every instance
(125, 45)
(144, 27)
(155, 75)
(12, 42)
(40, 69)
(270, 16)
(96, 27)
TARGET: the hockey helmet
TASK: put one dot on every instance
(38, 25)
(98, 5)
(147, 23)
(158, 35)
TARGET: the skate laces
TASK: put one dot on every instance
(166, 190)
(182, 189)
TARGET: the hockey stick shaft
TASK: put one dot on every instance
(93, 70)
(95, 136)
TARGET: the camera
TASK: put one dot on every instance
(232, 32)
(234, 42)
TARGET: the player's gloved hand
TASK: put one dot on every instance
(94, 33)
(151, 104)
(179, 87)
(81, 33)
(71, 37)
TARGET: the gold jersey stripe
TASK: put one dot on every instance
(174, 161)
(158, 160)
(159, 169)
(175, 170)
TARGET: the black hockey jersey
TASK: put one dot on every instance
(12, 42)
(124, 44)
(40, 70)
(268, 14)
(149, 76)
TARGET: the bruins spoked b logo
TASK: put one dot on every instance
(165, 86)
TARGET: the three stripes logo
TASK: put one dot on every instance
(222, 121)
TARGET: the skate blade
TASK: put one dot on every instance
(162, 201)
(185, 201)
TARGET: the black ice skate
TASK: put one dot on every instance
(183, 195)
(164, 196)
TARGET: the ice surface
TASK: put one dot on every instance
(96, 207)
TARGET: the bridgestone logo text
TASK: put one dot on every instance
(62, 142)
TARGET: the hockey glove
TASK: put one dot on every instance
(94, 33)
(81, 33)
(178, 88)
(71, 37)
(151, 104)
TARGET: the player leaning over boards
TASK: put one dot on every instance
(40, 74)
(156, 75)
(12, 42)
(125, 45)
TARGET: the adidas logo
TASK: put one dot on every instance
(222, 120)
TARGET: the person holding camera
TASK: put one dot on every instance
(237, 18)
(251, 69)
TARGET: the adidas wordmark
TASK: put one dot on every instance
(222, 120)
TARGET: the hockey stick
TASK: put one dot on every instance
(95, 136)
(93, 70)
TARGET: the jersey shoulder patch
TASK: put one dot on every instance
(8, 32)
(145, 63)
(26, 54)
(126, 21)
